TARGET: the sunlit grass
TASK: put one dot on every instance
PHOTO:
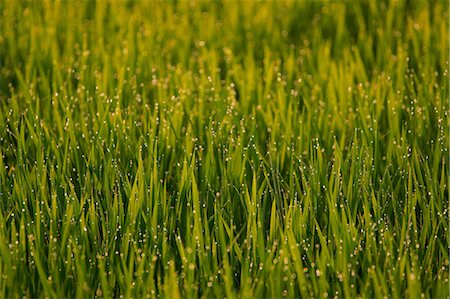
(211, 149)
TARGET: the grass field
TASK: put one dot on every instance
(211, 149)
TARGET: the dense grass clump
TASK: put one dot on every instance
(211, 149)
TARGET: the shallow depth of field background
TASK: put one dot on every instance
(229, 148)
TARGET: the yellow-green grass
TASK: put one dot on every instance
(211, 149)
